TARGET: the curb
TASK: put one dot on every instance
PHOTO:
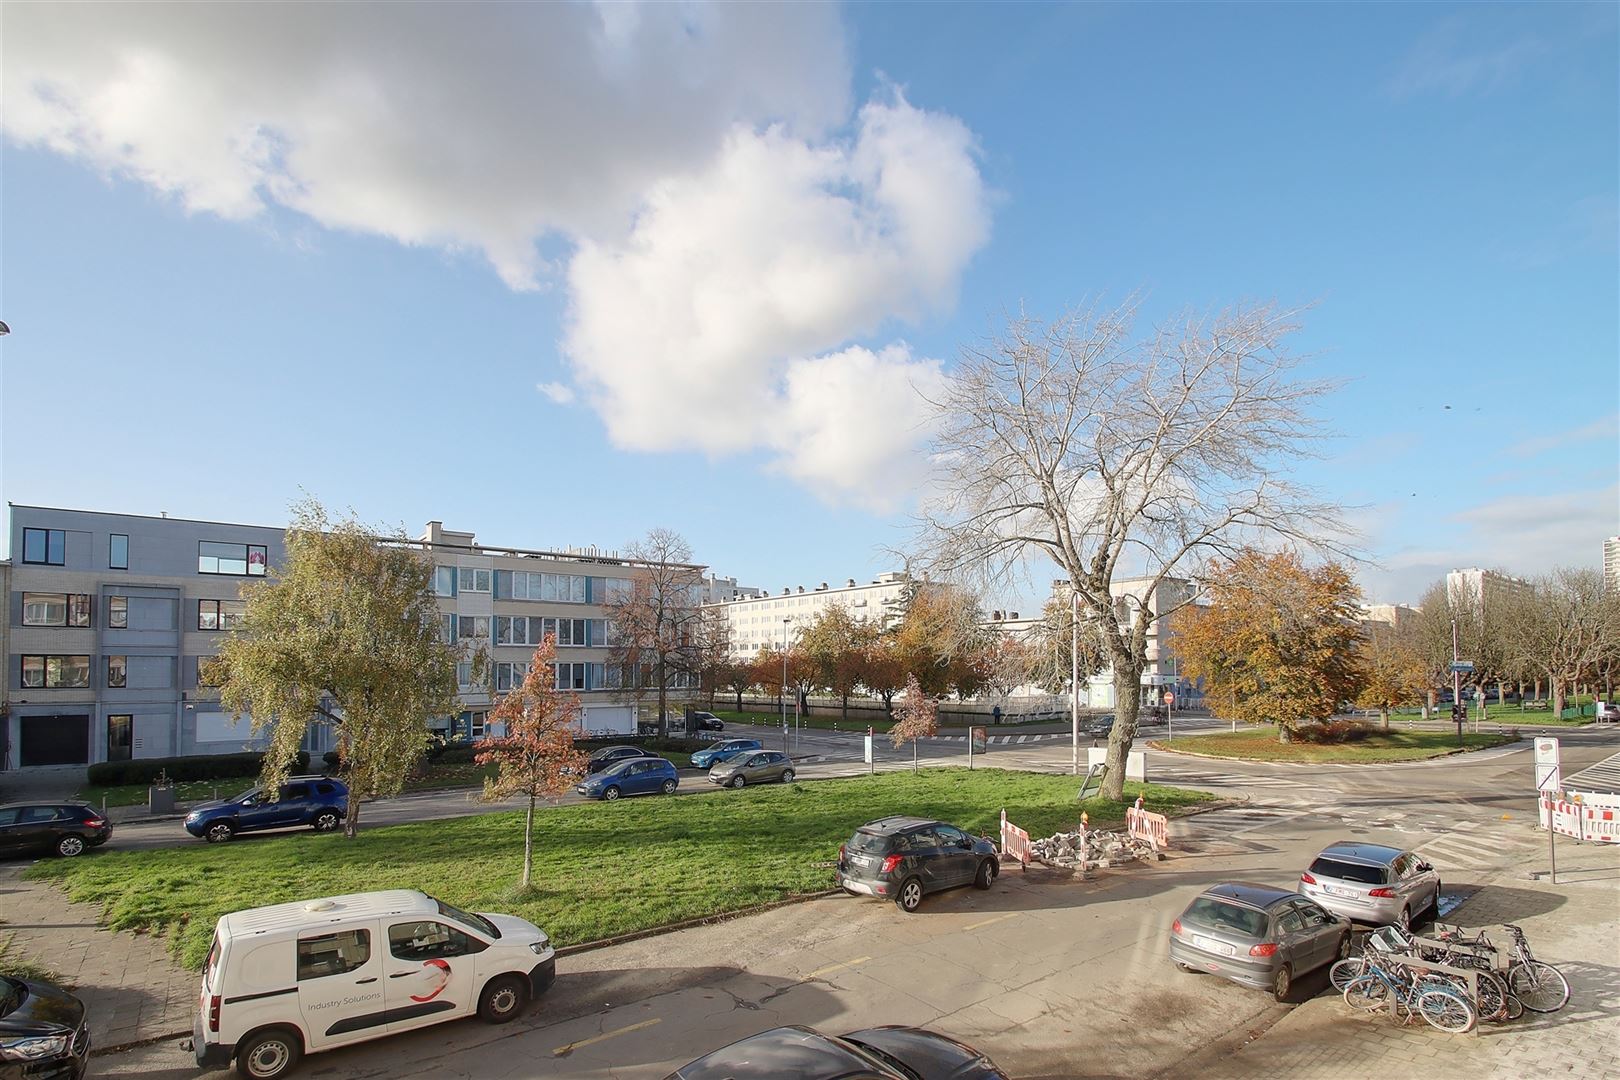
(98, 1051)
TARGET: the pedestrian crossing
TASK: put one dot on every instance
(1604, 776)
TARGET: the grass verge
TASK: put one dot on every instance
(601, 869)
(1260, 744)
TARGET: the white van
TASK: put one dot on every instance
(291, 979)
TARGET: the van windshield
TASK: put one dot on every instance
(467, 918)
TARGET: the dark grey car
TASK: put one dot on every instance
(884, 1053)
(1257, 935)
(759, 767)
(904, 858)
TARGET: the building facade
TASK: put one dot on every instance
(1398, 617)
(760, 622)
(109, 615)
(1472, 585)
(1162, 671)
(1611, 563)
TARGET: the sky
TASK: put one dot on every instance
(558, 274)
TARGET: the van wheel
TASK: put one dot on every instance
(265, 1055)
(326, 821)
(69, 846)
(503, 998)
(219, 832)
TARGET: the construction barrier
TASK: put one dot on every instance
(1145, 825)
(1574, 818)
(1014, 842)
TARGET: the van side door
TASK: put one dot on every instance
(432, 970)
(340, 986)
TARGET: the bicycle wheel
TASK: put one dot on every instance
(1343, 971)
(1492, 998)
(1447, 1010)
(1515, 1007)
(1366, 993)
(1540, 986)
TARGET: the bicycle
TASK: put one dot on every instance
(1490, 996)
(1411, 994)
(1538, 985)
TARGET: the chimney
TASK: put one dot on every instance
(1012, 614)
(850, 584)
(801, 588)
(821, 587)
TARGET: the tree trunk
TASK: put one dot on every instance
(845, 713)
(528, 842)
(1557, 688)
(1283, 734)
(1384, 712)
(1127, 701)
(351, 820)
(739, 701)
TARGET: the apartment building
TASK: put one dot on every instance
(109, 614)
(759, 622)
(1398, 617)
(1163, 669)
(1611, 563)
(1473, 585)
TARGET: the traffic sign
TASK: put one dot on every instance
(1169, 697)
(1548, 765)
(1464, 666)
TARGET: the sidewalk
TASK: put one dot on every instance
(134, 990)
(1574, 925)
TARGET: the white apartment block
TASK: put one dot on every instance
(1611, 563)
(1396, 616)
(1163, 670)
(766, 621)
(1477, 586)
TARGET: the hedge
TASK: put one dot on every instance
(200, 767)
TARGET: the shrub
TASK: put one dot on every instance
(1335, 731)
(197, 767)
(462, 754)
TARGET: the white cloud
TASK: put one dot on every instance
(1458, 55)
(1607, 427)
(730, 232)
(559, 393)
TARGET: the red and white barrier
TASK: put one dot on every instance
(1583, 822)
(1144, 825)
(1014, 842)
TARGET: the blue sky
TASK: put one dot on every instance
(232, 276)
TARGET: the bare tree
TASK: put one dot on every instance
(1103, 453)
(711, 650)
(655, 620)
(1567, 628)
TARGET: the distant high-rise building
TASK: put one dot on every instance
(1611, 563)
(1473, 585)
(1397, 616)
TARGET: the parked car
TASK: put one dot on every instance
(1100, 727)
(319, 802)
(363, 966)
(43, 1032)
(1372, 883)
(612, 755)
(65, 828)
(883, 1053)
(637, 776)
(1608, 712)
(755, 768)
(1257, 935)
(707, 721)
(711, 756)
(905, 858)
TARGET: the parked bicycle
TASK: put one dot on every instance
(1409, 992)
(1538, 985)
(1488, 993)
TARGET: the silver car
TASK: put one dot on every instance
(1257, 935)
(753, 768)
(1372, 883)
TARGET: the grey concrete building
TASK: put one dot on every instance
(108, 615)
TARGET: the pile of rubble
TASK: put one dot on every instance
(1091, 849)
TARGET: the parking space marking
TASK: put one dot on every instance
(987, 922)
(561, 1050)
(819, 972)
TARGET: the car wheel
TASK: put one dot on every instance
(669, 787)
(1434, 905)
(503, 998)
(787, 776)
(70, 845)
(326, 821)
(1344, 948)
(1282, 983)
(909, 898)
(610, 794)
(265, 1055)
(1404, 919)
(986, 876)
(219, 832)
(738, 781)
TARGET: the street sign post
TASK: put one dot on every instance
(1169, 718)
(978, 739)
(1465, 667)
(868, 751)
(1549, 782)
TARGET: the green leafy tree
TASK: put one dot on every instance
(536, 758)
(918, 718)
(344, 633)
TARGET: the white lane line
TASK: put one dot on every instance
(561, 1050)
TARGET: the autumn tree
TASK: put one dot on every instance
(939, 625)
(1102, 451)
(835, 645)
(536, 757)
(1278, 637)
(1567, 628)
(768, 672)
(738, 675)
(345, 633)
(1394, 671)
(655, 619)
(918, 718)
(883, 670)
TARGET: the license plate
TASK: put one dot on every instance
(1211, 945)
(1349, 894)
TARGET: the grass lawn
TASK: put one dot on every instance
(601, 869)
(826, 719)
(1260, 744)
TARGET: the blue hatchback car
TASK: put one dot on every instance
(319, 802)
(724, 751)
(638, 776)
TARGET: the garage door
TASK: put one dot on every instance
(54, 740)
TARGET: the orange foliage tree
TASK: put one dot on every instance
(918, 717)
(536, 756)
(1394, 671)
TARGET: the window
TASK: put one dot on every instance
(117, 671)
(570, 676)
(616, 590)
(217, 558)
(514, 630)
(444, 581)
(471, 580)
(1290, 922)
(55, 672)
(120, 730)
(333, 954)
(477, 724)
(221, 614)
(118, 612)
(430, 941)
(509, 676)
(472, 626)
(118, 552)
(447, 628)
(563, 588)
(46, 546)
(56, 609)
(464, 676)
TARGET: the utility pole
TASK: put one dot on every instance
(1074, 673)
(1456, 683)
(785, 621)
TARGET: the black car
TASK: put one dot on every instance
(905, 858)
(43, 1033)
(1100, 727)
(612, 755)
(65, 828)
(884, 1053)
(706, 721)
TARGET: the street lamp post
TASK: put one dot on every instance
(785, 620)
(1074, 672)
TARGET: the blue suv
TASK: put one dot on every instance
(638, 776)
(317, 801)
(725, 751)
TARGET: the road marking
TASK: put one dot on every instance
(819, 972)
(561, 1050)
(987, 922)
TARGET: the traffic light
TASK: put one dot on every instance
(1459, 713)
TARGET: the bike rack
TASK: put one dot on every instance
(1469, 975)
